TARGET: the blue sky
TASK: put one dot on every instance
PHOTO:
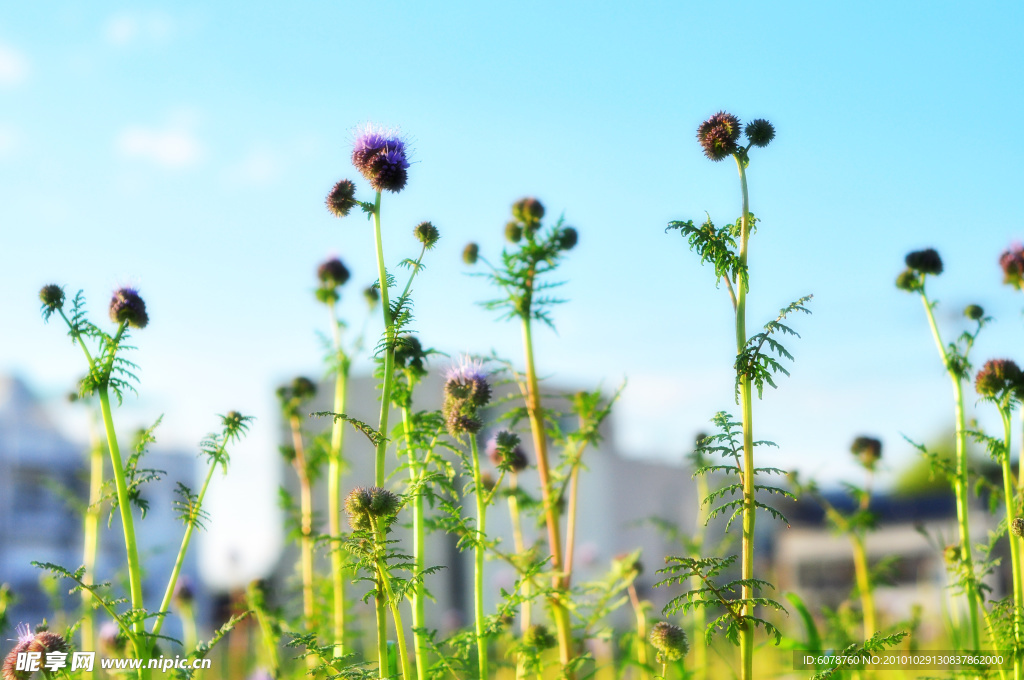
(186, 148)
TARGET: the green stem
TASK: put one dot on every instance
(641, 630)
(478, 559)
(747, 567)
(416, 472)
(396, 614)
(533, 406)
(90, 532)
(1015, 556)
(389, 352)
(190, 526)
(700, 650)
(188, 627)
(334, 491)
(867, 600)
(960, 485)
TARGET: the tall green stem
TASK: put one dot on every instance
(190, 525)
(1015, 556)
(700, 649)
(747, 568)
(90, 532)
(960, 486)
(416, 472)
(867, 601)
(533, 406)
(389, 352)
(478, 559)
(334, 490)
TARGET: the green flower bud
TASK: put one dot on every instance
(925, 261)
(760, 132)
(513, 232)
(670, 641)
(974, 312)
(1017, 526)
(470, 253)
(52, 297)
(528, 210)
(568, 238)
(868, 449)
(341, 200)
(909, 280)
(427, 234)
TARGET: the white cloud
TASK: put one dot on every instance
(174, 146)
(122, 30)
(13, 67)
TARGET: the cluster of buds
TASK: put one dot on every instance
(670, 641)
(868, 450)
(367, 505)
(1012, 264)
(999, 378)
(719, 135)
(505, 452)
(332, 275)
(466, 391)
(295, 394)
(42, 641)
(526, 216)
(920, 263)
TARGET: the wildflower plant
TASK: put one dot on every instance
(920, 265)
(534, 251)
(758, 360)
(111, 373)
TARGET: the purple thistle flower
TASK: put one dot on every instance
(380, 155)
(1012, 262)
(127, 307)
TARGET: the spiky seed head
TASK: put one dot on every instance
(513, 232)
(998, 376)
(459, 423)
(380, 155)
(759, 132)
(470, 253)
(909, 280)
(974, 312)
(427, 234)
(926, 261)
(127, 307)
(52, 297)
(568, 238)
(539, 637)
(868, 450)
(342, 198)
(384, 503)
(670, 641)
(332, 273)
(528, 210)
(357, 505)
(1017, 526)
(372, 296)
(1012, 264)
(718, 134)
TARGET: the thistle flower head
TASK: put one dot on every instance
(51, 642)
(1017, 526)
(670, 641)
(997, 377)
(127, 307)
(505, 452)
(372, 296)
(380, 155)
(868, 450)
(718, 134)
(1012, 264)
(528, 211)
(926, 261)
(513, 231)
(52, 297)
(342, 198)
(365, 502)
(974, 312)
(470, 253)
(427, 234)
(467, 381)
(909, 280)
(332, 273)
(539, 637)
(568, 238)
(759, 132)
